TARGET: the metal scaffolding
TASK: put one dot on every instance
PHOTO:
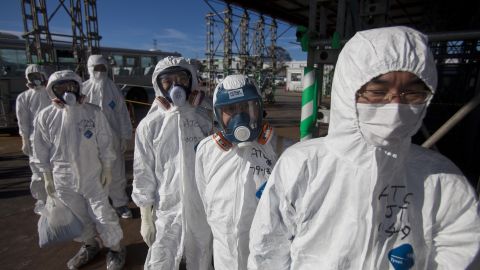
(244, 23)
(91, 22)
(273, 57)
(244, 47)
(38, 38)
(210, 55)
(227, 42)
(259, 44)
(77, 42)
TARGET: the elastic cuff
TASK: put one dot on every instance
(142, 200)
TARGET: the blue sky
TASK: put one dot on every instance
(177, 25)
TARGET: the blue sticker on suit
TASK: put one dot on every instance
(259, 192)
(112, 104)
(88, 134)
(402, 257)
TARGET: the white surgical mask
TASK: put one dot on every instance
(99, 75)
(178, 95)
(70, 98)
(388, 124)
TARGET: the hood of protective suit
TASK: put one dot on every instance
(367, 55)
(93, 60)
(171, 61)
(61, 76)
(233, 82)
(35, 68)
(243, 122)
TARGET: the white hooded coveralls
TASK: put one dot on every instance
(73, 143)
(29, 103)
(228, 181)
(340, 203)
(164, 168)
(105, 94)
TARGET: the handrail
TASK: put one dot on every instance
(138, 102)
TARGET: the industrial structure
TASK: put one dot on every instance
(453, 28)
(84, 39)
(246, 46)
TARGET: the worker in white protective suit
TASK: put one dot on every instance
(232, 168)
(101, 91)
(205, 104)
(164, 187)
(29, 104)
(365, 197)
(73, 150)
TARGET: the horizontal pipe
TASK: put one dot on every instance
(432, 37)
(457, 117)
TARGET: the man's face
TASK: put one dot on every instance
(248, 107)
(394, 87)
(180, 78)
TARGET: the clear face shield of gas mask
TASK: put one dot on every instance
(36, 80)
(240, 119)
(175, 85)
(68, 91)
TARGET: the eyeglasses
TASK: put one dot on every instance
(385, 96)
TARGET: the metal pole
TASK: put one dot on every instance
(273, 40)
(432, 37)
(244, 42)
(309, 85)
(309, 104)
(227, 42)
(457, 117)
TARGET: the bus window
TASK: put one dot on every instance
(118, 68)
(65, 60)
(130, 61)
(13, 62)
(147, 65)
(146, 61)
(118, 60)
(133, 66)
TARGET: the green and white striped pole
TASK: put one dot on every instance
(309, 103)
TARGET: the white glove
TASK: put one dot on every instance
(26, 148)
(147, 229)
(49, 185)
(123, 145)
(106, 177)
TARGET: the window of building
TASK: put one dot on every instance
(296, 77)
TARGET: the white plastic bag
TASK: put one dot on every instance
(57, 223)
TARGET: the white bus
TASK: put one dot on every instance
(131, 69)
